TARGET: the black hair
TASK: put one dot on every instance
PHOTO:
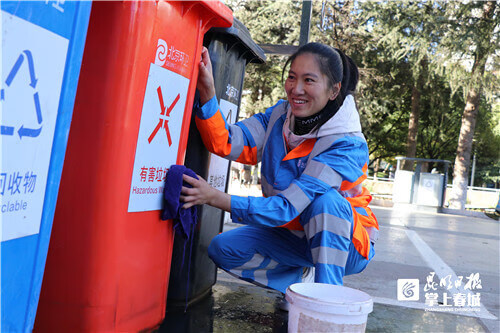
(337, 67)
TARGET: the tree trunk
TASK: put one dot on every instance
(375, 169)
(462, 161)
(411, 141)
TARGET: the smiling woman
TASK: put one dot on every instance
(307, 88)
(314, 211)
(325, 76)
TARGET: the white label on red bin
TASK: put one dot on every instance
(33, 62)
(158, 140)
(218, 166)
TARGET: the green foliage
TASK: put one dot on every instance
(463, 37)
(389, 40)
(269, 22)
(440, 121)
(486, 145)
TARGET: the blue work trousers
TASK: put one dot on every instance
(274, 257)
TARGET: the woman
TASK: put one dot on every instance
(314, 157)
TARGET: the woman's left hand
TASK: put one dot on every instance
(202, 193)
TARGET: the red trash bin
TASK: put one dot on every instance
(109, 256)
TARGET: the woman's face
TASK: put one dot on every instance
(307, 88)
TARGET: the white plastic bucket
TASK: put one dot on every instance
(320, 307)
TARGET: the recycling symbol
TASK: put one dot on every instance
(23, 131)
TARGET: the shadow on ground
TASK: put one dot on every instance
(233, 306)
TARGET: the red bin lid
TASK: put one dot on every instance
(222, 15)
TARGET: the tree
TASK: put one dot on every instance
(481, 22)
(485, 146)
(382, 91)
(410, 57)
(269, 22)
(440, 120)
(409, 33)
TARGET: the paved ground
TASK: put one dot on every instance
(412, 245)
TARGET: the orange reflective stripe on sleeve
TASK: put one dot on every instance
(346, 185)
(214, 134)
(248, 155)
(293, 224)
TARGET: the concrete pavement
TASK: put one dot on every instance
(412, 245)
(461, 295)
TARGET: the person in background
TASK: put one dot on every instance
(314, 211)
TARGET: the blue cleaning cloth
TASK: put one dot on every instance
(184, 219)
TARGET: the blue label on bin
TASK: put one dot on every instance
(33, 62)
(54, 15)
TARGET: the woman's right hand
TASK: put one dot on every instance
(205, 84)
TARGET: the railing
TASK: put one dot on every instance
(380, 179)
(449, 186)
(477, 197)
(476, 188)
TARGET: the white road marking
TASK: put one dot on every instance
(442, 270)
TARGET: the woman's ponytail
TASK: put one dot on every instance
(350, 76)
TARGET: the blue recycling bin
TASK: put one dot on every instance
(42, 49)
